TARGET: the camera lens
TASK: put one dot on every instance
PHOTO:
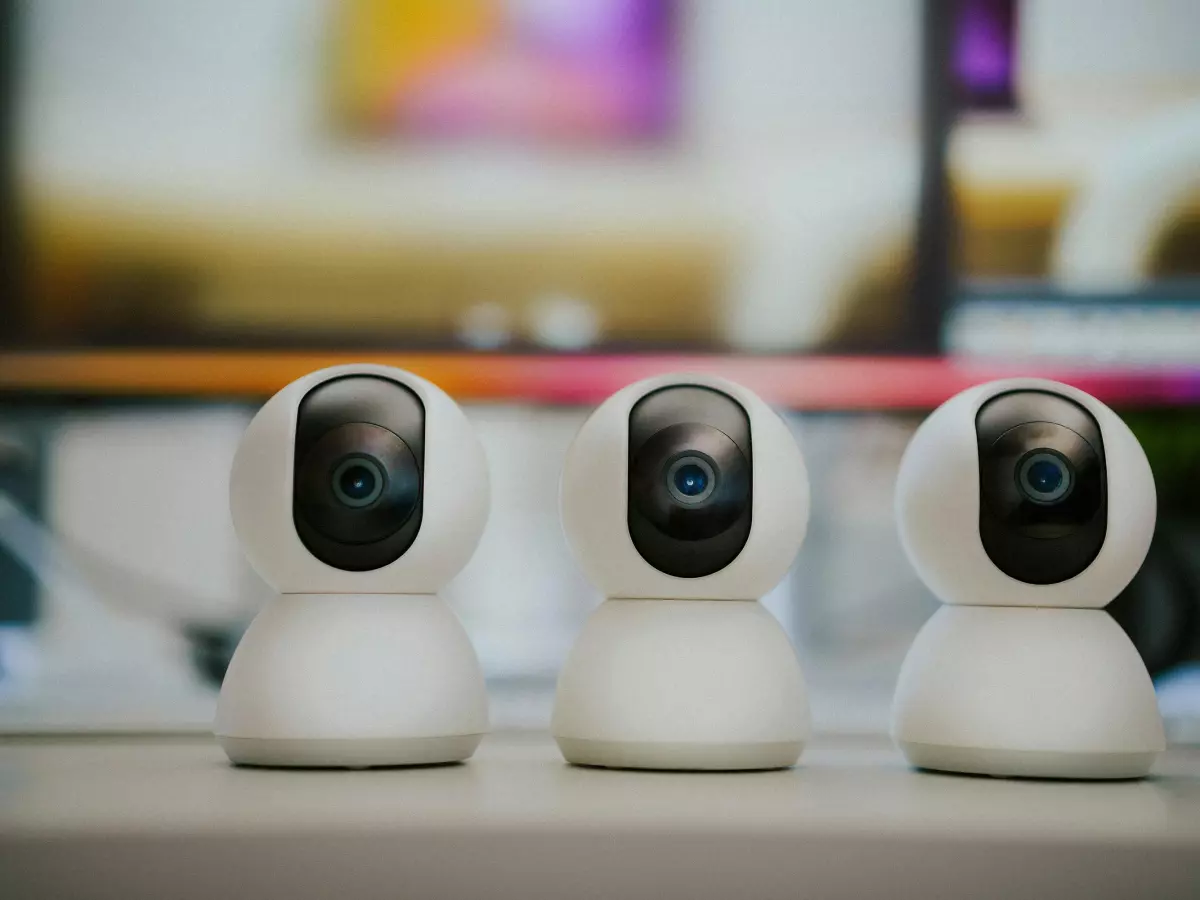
(357, 478)
(689, 491)
(691, 480)
(358, 481)
(1044, 477)
(1042, 507)
(358, 484)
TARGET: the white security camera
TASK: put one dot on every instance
(684, 499)
(1026, 506)
(357, 492)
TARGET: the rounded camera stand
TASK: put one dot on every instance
(352, 681)
(1026, 692)
(682, 684)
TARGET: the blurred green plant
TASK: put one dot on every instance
(1171, 439)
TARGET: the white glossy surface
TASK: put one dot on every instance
(594, 500)
(353, 753)
(170, 818)
(340, 657)
(690, 684)
(1037, 692)
(1014, 678)
(694, 664)
(454, 485)
(329, 668)
(937, 508)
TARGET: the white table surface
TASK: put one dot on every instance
(169, 818)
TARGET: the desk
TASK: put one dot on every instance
(169, 818)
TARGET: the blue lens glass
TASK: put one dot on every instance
(690, 480)
(1044, 477)
(357, 482)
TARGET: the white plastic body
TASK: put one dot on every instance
(355, 669)
(1049, 693)
(593, 500)
(1014, 678)
(937, 508)
(672, 684)
(352, 680)
(454, 485)
(701, 676)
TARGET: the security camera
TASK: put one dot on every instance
(684, 499)
(1026, 506)
(357, 493)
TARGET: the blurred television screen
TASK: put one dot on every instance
(598, 70)
(855, 210)
(617, 175)
(1074, 152)
(983, 63)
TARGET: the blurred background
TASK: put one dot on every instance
(855, 209)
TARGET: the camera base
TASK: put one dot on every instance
(1027, 763)
(350, 754)
(681, 756)
(352, 680)
(682, 684)
(1026, 692)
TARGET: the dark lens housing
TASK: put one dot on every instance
(1043, 512)
(356, 488)
(689, 500)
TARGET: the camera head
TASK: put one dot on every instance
(1025, 492)
(359, 479)
(684, 487)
